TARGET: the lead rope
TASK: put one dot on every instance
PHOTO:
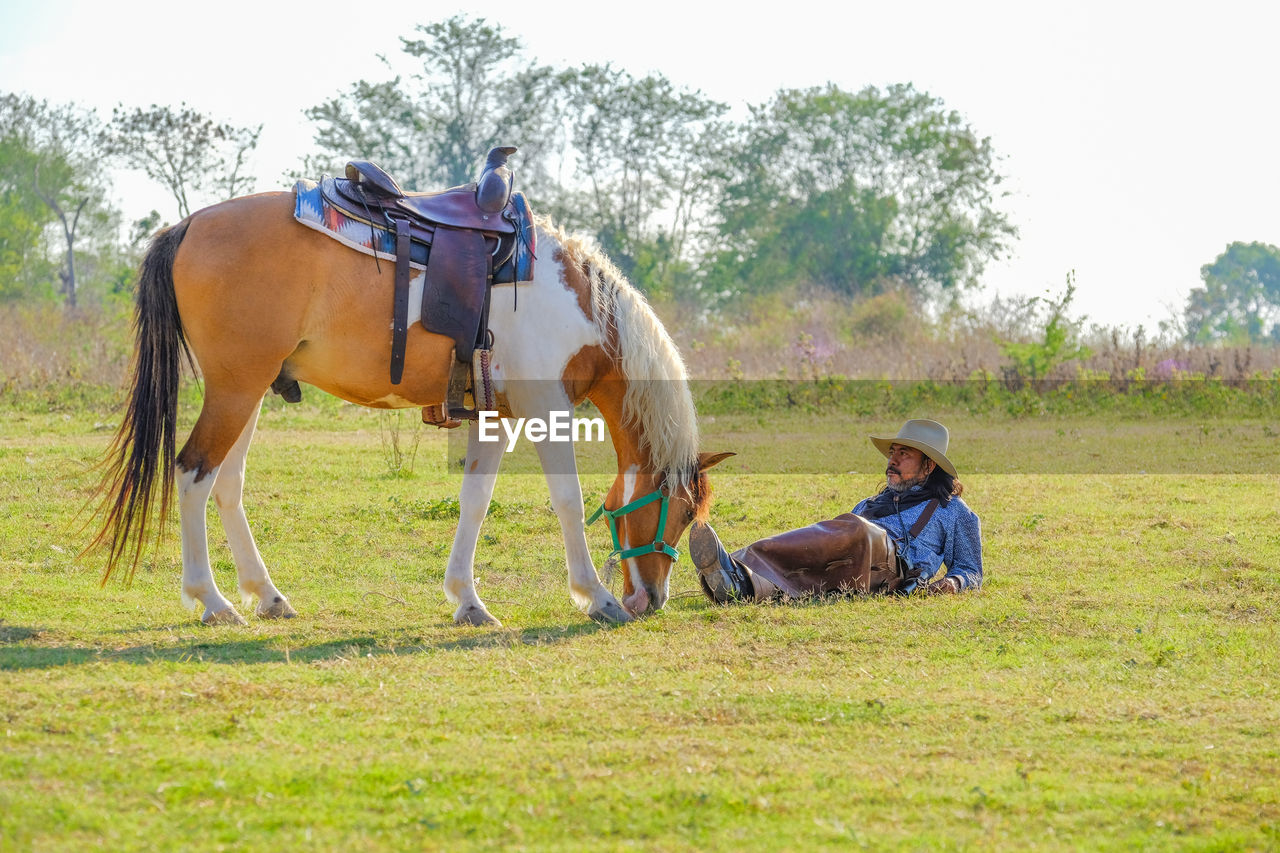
(906, 549)
(923, 521)
(609, 569)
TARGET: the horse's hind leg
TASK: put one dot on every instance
(224, 417)
(228, 494)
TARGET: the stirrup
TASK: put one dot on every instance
(470, 392)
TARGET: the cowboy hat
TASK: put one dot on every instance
(929, 437)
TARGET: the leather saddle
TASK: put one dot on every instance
(475, 207)
(467, 237)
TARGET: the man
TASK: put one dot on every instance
(893, 542)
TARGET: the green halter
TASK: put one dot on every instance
(658, 546)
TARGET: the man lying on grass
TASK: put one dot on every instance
(893, 542)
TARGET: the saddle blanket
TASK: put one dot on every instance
(313, 210)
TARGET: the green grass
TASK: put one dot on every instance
(1113, 686)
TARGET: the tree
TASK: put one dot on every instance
(1059, 340)
(432, 128)
(1240, 299)
(642, 148)
(186, 151)
(23, 218)
(858, 192)
(47, 154)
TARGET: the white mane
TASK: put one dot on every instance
(657, 398)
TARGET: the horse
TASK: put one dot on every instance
(248, 296)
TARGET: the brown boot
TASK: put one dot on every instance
(723, 579)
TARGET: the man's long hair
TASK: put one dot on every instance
(942, 485)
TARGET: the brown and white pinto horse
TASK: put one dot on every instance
(253, 295)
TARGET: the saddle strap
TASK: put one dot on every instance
(400, 309)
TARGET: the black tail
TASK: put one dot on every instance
(145, 444)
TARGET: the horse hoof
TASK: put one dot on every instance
(611, 612)
(473, 614)
(278, 609)
(226, 616)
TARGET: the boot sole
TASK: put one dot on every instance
(704, 549)
(704, 552)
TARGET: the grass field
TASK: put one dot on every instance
(1113, 686)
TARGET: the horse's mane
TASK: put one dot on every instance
(657, 396)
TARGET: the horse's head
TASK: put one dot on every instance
(647, 517)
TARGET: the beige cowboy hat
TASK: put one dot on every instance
(929, 437)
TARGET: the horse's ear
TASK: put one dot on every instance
(711, 460)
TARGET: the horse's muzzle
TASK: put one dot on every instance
(646, 598)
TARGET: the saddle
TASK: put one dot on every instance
(467, 237)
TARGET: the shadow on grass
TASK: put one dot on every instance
(15, 633)
(16, 654)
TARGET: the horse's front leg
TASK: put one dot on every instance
(478, 478)
(585, 588)
(228, 494)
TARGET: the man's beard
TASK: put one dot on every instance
(902, 485)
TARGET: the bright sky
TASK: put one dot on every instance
(1139, 138)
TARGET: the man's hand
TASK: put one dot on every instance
(946, 585)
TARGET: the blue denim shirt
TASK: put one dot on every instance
(952, 537)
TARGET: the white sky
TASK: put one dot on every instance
(1139, 138)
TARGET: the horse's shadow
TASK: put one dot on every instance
(16, 653)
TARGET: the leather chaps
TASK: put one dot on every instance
(846, 554)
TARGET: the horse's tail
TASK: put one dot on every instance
(144, 447)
